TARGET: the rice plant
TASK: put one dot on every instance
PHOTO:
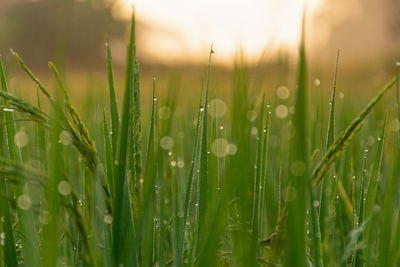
(249, 183)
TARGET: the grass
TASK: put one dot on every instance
(255, 180)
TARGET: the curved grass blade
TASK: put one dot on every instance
(32, 112)
(338, 147)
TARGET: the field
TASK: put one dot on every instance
(258, 175)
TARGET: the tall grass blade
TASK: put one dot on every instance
(113, 100)
(329, 141)
(25, 217)
(188, 190)
(204, 190)
(122, 206)
(50, 231)
(295, 251)
(9, 247)
(257, 194)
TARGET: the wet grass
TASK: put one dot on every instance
(273, 177)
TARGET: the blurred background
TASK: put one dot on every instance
(175, 35)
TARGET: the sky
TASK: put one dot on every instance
(182, 29)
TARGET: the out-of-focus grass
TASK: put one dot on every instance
(198, 170)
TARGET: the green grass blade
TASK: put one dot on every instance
(50, 231)
(188, 190)
(389, 200)
(361, 210)
(121, 204)
(298, 168)
(204, 191)
(113, 100)
(264, 190)
(373, 181)
(109, 155)
(254, 250)
(146, 222)
(25, 217)
(10, 256)
(41, 139)
(329, 141)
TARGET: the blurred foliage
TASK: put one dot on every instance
(58, 29)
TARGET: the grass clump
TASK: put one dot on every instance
(234, 188)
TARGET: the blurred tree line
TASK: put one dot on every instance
(67, 31)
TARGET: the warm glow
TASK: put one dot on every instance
(182, 29)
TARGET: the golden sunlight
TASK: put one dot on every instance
(181, 29)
